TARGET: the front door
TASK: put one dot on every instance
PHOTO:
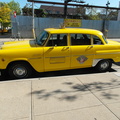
(57, 53)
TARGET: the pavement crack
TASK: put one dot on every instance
(31, 104)
(67, 110)
(99, 99)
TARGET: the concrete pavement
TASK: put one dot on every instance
(75, 97)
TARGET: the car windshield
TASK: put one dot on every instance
(105, 39)
(42, 37)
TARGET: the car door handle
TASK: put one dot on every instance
(90, 47)
(51, 48)
(66, 47)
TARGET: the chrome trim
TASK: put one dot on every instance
(95, 61)
(57, 62)
(98, 54)
(107, 53)
(58, 57)
(36, 58)
(84, 55)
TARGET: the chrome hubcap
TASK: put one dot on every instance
(20, 71)
(104, 65)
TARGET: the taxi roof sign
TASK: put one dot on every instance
(72, 22)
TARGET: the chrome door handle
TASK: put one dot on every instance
(91, 46)
(51, 48)
(66, 47)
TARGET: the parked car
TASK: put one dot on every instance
(59, 49)
(3, 30)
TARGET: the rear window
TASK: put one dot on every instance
(80, 39)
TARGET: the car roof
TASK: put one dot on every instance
(73, 30)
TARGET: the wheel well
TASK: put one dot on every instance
(19, 69)
(107, 59)
(96, 61)
(20, 61)
(104, 65)
(111, 60)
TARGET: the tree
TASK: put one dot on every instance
(93, 14)
(38, 12)
(2, 4)
(4, 15)
(14, 6)
(6, 9)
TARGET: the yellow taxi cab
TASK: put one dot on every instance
(59, 49)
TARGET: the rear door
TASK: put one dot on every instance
(82, 52)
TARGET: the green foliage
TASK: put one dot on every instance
(27, 11)
(38, 12)
(6, 9)
(94, 17)
(5, 14)
(15, 6)
(2, 4)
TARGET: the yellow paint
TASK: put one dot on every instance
(43, 58)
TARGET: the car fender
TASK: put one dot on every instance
(95, 62)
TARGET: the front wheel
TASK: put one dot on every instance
(104, 65)
(19, 70)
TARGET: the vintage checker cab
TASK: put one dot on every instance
(59, 49)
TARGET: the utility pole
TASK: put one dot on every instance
(105, 31)
(65, 7)
(33, 21)
(107, 5)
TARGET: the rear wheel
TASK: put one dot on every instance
(19, 70)
(104, 65)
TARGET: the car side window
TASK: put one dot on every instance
(57, 40)
(80, 39)
(97, 40)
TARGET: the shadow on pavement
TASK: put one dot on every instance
(117, 63)
(76, 90)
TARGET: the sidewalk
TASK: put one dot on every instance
(115, 39)
(75, 97)
(8, 37)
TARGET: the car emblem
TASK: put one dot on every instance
(81, 59)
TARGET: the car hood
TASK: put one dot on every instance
(112, 42)
(18, 44)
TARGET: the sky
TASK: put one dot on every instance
(113, 3)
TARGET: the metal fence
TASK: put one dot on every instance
(22, 26)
